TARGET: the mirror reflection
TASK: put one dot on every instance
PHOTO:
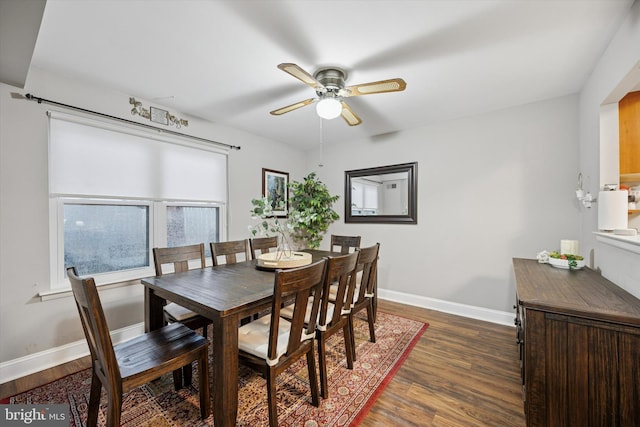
(380, 194)
(384, 194)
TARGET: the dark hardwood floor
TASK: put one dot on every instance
(462, 372)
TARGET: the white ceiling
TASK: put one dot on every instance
(217, 59)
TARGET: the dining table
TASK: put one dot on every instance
(225, 294)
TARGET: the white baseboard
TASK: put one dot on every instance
(480, 313)
(46, 359)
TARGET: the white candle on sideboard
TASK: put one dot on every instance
(569, 247)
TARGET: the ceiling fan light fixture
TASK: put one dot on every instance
(329, 108)
(329, 85)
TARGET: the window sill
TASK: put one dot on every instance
(628, 243)
(66, 291)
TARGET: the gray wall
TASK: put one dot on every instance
(490, 187)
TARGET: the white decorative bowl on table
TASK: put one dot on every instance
(287, 259)
(564, 263)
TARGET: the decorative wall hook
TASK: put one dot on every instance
(585, 197)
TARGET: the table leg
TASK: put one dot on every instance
(153, 310)
(224, 387)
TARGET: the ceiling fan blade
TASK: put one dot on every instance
(292, 107)
(349, 116)
(301, 75)
(392, 85)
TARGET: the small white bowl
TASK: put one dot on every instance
(564, 263)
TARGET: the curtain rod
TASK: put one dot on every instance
(47, 101)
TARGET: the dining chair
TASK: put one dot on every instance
(271, 344)
(230, 251)
(233, 251)
(333, 315)
(179, 257)
(364, 291)
(344, 243)
(262, 245)
(122, 367)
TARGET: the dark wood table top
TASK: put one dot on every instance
(225, 289)
(583, 293)
(221, 290)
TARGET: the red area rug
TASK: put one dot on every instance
(352, 392)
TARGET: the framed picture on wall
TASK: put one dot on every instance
(275, 186)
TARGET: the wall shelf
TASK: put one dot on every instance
(629, 243)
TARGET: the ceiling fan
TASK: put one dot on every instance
(330, 89)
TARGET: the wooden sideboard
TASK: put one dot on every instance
(579, 339)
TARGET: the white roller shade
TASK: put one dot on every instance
(95, 158)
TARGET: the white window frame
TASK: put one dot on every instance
(157, 236)
(59, 281)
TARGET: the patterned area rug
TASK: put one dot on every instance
(351, 392)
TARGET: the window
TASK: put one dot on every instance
(112, 239)
(117, 192)
(188, 225)
(101, 238)
(364, 198)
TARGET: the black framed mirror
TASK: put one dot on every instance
(384, 194)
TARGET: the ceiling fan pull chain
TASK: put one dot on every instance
(321, 164)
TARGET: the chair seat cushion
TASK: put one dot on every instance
(253, 338)
(178, 312)
(333, 292)
(287, 312)
(333, 289)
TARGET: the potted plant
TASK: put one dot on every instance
(310, 211)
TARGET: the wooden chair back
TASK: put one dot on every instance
(366, 272)
(368, 265)
(341, 270)
(95, 329)
(262, 245)
(344, 243)
(230, 250)
(179, 256)
(300, 284)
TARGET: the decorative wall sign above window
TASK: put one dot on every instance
(156, 115)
